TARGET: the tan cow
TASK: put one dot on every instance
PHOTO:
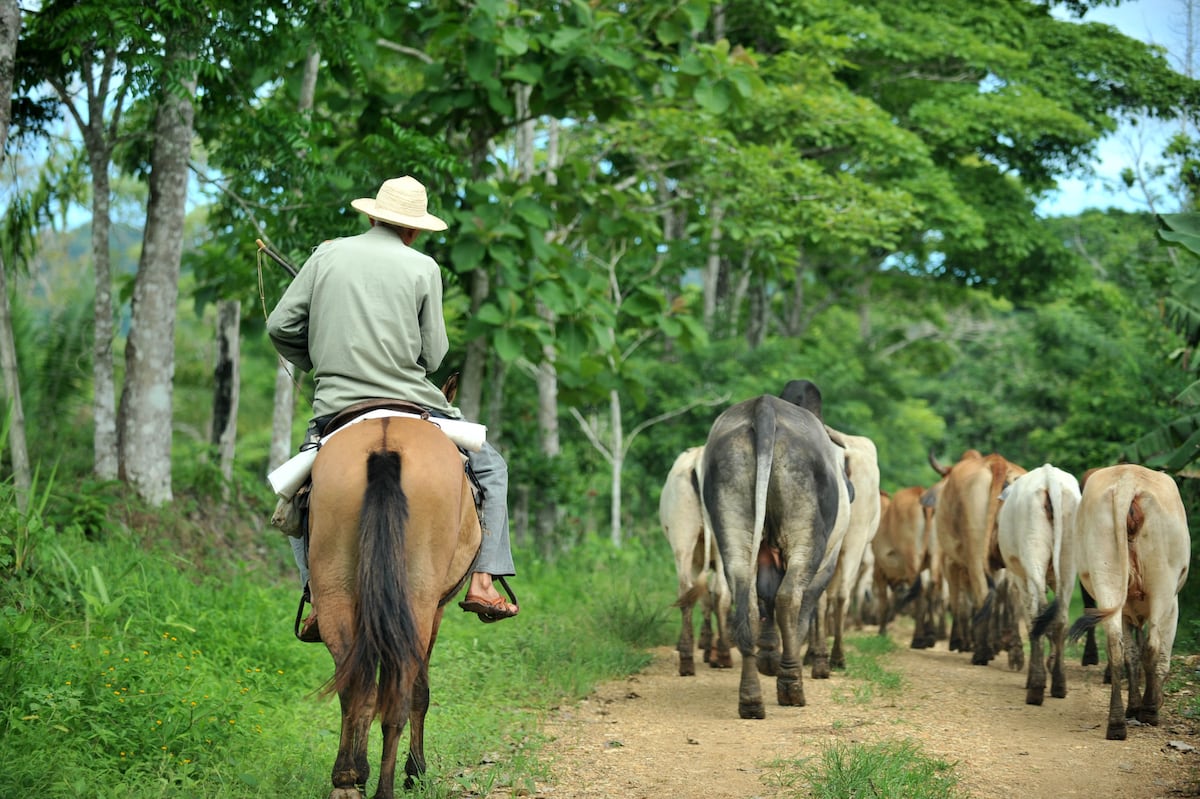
(902, 561)
(697, 566)
(1133, 549)
(1036, 529)
(862, 468)
(966, 529)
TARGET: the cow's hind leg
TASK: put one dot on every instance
(719, 656)
(796, 618)
(837, 655)
(818, 644)
(1116, 730)
(767, 657)
(687, 663)
(1058, 674)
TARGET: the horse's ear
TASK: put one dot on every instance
(450, 388)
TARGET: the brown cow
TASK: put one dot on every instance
(902, 557)
(697, 565)
(966, 528)
(1133, 549)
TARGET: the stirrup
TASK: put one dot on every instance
(311, 634)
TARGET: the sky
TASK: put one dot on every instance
(1158, 22)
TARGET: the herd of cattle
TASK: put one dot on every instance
(778, 524)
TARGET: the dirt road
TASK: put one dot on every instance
(659, 735)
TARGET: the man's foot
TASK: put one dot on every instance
(307, 630)
(310, 633)
(483, 599)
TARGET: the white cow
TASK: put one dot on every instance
(862, 468)
(1133, 548)
(697, 565)
(1036, 524)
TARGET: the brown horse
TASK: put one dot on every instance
(394, 532)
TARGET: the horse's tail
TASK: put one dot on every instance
(385, 636)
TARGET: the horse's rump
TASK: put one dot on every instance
(393, 533)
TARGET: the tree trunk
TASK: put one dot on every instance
(10, 27)
(712, 267)
(282, 416)
(618, 462)
(284, 411)
(15, 416)
(104, 403)
(470, 386)
(226, 382)
(145, 413)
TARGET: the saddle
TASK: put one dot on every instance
(348, 414)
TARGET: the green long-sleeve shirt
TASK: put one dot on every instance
(364, 315)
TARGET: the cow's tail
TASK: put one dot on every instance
(1057, 524)
(999, 469)
(911, 594)
(764, 451)
(1091, 618)
(705, 533)
(1054, 494)
(1126, 508)
(1046, 617)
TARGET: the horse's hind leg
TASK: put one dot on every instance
(351, 769)
(414, 767)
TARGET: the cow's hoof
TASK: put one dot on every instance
(1116, 732)
(721, 660)
(768, 663)
(687, 667)
(1148, 717)
(752, 710)
(820, 669)
(1035, 696)
(1058, 691)
(790, 693)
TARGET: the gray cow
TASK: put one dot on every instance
(776, 497)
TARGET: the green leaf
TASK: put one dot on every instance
(514, 41)
(1190, 395)
(1181, 229)
(713, 96)
(524, 73)
(489, 314)
(481, 63)
(467, 253)
(508, 346)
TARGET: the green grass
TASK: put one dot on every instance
(895, 769)
(131, 671)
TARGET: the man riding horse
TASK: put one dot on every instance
(364, 315)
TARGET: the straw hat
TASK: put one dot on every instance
(400, 201)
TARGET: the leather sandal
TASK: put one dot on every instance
(491, 610)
